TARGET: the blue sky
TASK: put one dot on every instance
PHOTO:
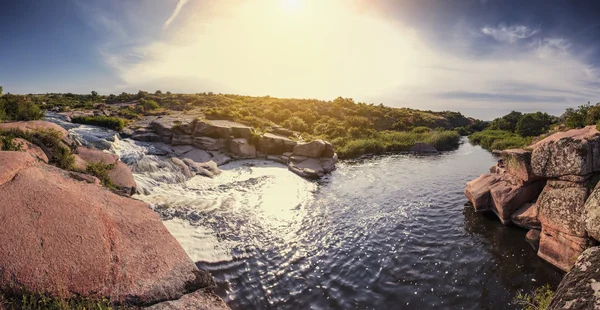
(481, 57)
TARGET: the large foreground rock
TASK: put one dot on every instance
(478, 191)
(580, 288)
(120, 174)
(527, 216)
(68, 238)
(574, 152)
(507, 197)
(310, 149)
(271, 144)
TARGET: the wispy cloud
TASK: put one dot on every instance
(511, 34)
(178, 8)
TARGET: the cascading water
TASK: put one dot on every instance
(384, 232)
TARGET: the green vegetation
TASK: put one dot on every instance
(114, 123)
(50, 141)
(7, 143)
(514, 130)
(18, 108)
(539, 299)
(101, 171)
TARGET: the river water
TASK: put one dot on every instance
(390, 232)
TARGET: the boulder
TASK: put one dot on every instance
(114, 247)
(560, 249)
(185, 170)
(207, 169)
(580, 288)
(271, 144)
(31, 148)
(96, 156)
(507, 197)
(527, 217)
(242, 149)
(222, 129)
(120, 174)
(423, 148)
(591, 214)
(122, 177)
(517, 163)
(203, 299)
(573, 152)
(281, 131)
(478, 191)
(561, 205)
(312, 149)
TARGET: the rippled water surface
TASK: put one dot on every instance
(389, 232)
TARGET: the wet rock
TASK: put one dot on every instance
(200, 300)
(207, 169)
(423, 148)
(182, 149)
(185, 170)
(507, 197)
(527, 217)
(533, 238)
(271, 144)
(580, 287)
(312, 149)
(328, 164)
(561, 205)
(242, 149)
(280, 159)
(113, 246)
(560, 249)
(517, 162)
(478, 191)
(220, 158)
(309, 168)
(574, 152)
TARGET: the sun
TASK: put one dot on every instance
(291, 5)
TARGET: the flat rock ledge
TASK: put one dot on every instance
(550, 188)
(221, 141)
(84, 240)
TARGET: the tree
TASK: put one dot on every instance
(533, 124)
(0, 90)
(94, 94)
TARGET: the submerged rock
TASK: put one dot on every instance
(533, 238)
(580, 288)
(83, 240)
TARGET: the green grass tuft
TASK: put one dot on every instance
(539, 299)
(111, 122)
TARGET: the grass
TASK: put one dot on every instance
(111, 122)
(101, 171)
(35, 301)
(539, 299)
(394, 141)
(499, 140)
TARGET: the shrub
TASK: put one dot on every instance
(295, 123)
(114, 123)
(421, 129)
(101, 171)
(28, 111)
(498, 139)
(539, 299)
(63, 158)
(7, 144)
(149, 104)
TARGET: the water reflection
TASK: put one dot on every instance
(383, 232)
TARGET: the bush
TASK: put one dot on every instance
(498, 139)
(149, 104)
(7, 144)
(28, 111)
(50, 141)
(101, 171)
(114, 123)
(539, 299)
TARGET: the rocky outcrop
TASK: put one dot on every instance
(580, 288)
(31, 148)
(33, 126)
(83, 240)
(119, 173)
(567, 166)
(219, 141)
(574, 152)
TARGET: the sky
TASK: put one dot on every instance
(483, 58)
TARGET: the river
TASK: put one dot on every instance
(388, 232)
